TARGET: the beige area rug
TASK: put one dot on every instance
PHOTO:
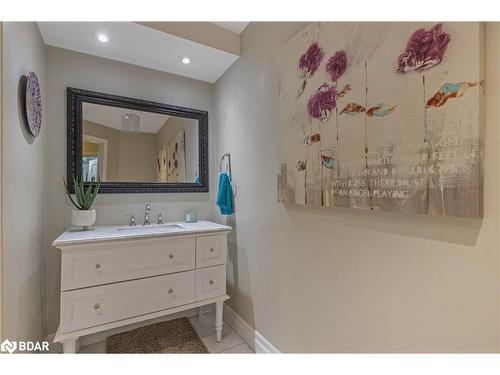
(174, 336)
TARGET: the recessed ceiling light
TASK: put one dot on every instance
(186, 60)
(103, 38)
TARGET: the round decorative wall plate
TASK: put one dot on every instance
(33, 104)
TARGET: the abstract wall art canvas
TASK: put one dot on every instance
(382, 116)
(161, 160)
(176, 158)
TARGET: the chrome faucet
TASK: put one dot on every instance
(146, 215)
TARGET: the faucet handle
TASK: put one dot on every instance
(132, 221)
(160, 218)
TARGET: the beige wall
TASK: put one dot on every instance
(24, 169)
(190, 126)
(138, 157)
(351, 281)
(66, 68)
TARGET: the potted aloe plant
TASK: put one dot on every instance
(84, 216)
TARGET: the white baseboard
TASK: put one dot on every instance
(249, 334)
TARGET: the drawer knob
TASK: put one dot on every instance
(98, 308)
(211, 282)
(211, 249)
(171, 256)
(170, 291)
(98, 267)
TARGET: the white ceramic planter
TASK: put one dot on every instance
(83, 218)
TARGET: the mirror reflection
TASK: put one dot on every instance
(124, 145)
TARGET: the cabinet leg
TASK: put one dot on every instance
(69, 346)
(218, 319)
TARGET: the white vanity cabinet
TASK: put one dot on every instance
(115, 276)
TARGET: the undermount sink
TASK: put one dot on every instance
(152, 226)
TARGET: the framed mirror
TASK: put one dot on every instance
(135, 146)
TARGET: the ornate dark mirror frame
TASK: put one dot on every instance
(75, 100)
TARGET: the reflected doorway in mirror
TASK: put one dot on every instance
(94, 158)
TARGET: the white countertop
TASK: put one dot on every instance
(72, 237)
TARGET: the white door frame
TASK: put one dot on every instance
(103, 143)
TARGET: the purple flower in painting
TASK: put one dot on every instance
(424, 50)
(322, 102)
(310, 61)
(337, 64)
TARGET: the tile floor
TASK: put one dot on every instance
(231, 343)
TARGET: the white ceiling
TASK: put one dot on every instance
(235, 27)
(136, 44)
(112, 117)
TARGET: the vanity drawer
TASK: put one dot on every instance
(210, 282)
(89, 307)
(119, 261)
(211, 250)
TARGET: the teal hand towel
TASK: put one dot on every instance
(225, 195)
